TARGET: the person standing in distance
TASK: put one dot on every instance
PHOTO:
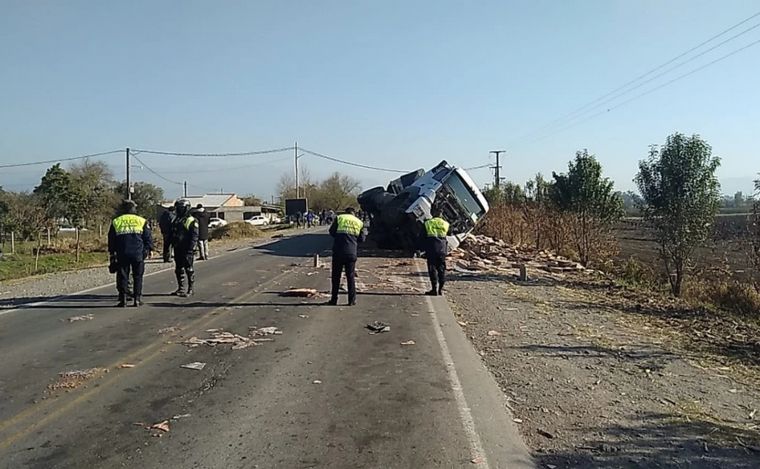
(165, 225)
(184, 241)
(436, 249)
(203, 217)
(347, 231)
(130, 242)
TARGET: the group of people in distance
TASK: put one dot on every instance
(130, 243)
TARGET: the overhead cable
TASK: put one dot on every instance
(155, 173)
(619, 91)
(59, 160)
(215, 155)
(358, 165)
(649, 91)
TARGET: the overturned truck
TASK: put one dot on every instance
(398, 211)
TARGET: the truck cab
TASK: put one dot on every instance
(398, 213)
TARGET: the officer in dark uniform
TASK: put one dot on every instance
(185, 242)
(130, 243)
(347, 231)
(165, 224)
(436, 247)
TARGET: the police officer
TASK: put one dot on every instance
(347, 231)
(436, 247)
(130, 243)
(184, 241)
(165, 224)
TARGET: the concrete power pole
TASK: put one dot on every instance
(295, 155)
(129, 183)
(497, 168)
(184, 189)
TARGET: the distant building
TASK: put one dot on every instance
(228, 207)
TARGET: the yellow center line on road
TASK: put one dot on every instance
(148, 353)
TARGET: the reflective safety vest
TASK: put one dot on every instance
(349, 224)
(436, 228)
(188, 222)
(129, 224)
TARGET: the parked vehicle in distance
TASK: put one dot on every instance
(216, 222)
(258, 220)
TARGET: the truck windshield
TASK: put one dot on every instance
(466, 198)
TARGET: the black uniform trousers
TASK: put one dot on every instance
(339, 264)
(436, 263)
(167, 247)
(183, 265)
(124, 265)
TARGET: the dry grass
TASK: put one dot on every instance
(235, 231)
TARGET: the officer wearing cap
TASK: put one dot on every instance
(129, 243)
(347, 231)
(185, 243)
(436, 248)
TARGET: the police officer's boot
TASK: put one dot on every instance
(190, 281)
(122, 301)
(440, 289)
(180, 291)
(432, 291)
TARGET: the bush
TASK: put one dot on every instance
(237, 230)
(740, 298)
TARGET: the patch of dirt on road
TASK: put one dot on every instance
(75, 379)
(601, 377)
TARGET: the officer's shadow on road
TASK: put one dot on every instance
(213, 304)
(66, 302)
(298, 246)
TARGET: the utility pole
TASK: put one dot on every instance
(295, 154)
(184, 185)
(129, 183)
(497, 176)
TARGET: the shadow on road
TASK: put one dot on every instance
(663, 441)
(302, 245)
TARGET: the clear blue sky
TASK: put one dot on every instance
(400, 84)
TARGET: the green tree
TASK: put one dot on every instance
(93, 191)
(336, 192)
(25, 216)
(681, 197)
(755, 234)
(590, 198)
(146, 195)
(251, 200)
(55, 194)
(537, 207)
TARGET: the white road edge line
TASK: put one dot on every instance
(88, 290)
(476, 445)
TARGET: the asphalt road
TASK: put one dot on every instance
(325, 393)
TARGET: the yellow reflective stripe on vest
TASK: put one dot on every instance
(129, 224)
(188, 222)
(437, 228)
(349, 224)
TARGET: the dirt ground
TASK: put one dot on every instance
(598, 376)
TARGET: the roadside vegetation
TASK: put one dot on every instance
(680, 247)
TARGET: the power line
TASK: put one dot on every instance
(154, 172)
(214, 155)
(488, 165)
(665, 72)
(651, 90)
(606, 97)
(59, 160)
(358, 165)
(233, 168)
